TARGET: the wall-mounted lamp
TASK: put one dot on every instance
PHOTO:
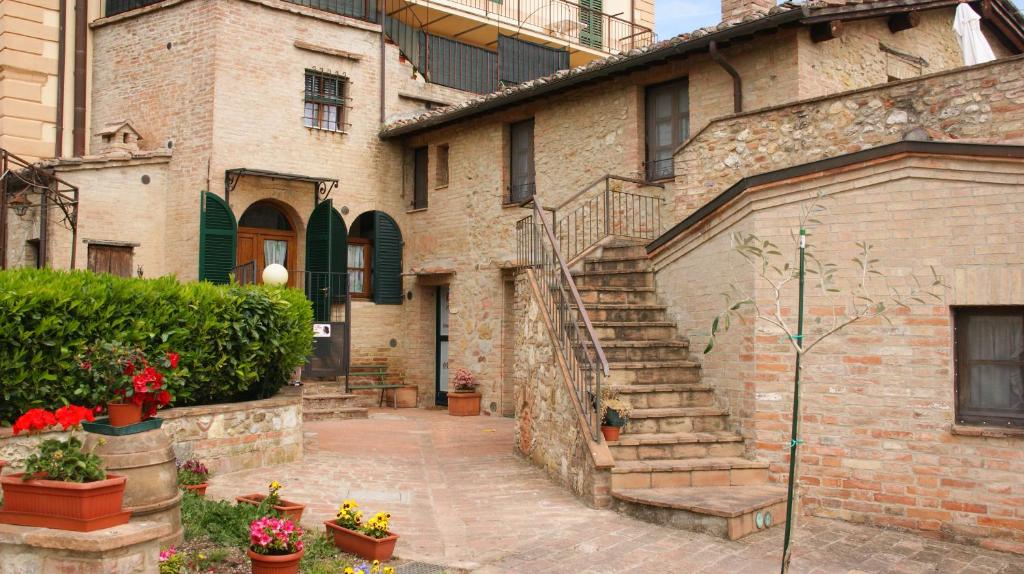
(20, 203)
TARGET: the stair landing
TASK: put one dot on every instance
(728, 511)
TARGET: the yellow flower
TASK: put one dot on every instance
(389, 570)
(275, 485)
(348, 570)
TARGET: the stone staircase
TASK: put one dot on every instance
(327, 400)
(676, 463)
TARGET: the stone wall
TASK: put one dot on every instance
(985, 101)
(227, 437)
(548, 431)
(882, 446)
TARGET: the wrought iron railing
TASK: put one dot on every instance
(577, 341)
(563, 19)
(616, 210)
(327, 291)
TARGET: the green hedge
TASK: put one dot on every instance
(237, 343)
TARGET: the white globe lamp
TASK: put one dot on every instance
(275, 274)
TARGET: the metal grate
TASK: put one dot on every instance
(424, 568)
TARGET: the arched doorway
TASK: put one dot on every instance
(267, 235)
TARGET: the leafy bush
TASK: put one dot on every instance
(237, 343)
(222, 523)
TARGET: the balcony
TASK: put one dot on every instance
(587, 33)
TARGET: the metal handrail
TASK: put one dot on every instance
(564, 306)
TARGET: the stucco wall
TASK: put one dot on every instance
(878, 398)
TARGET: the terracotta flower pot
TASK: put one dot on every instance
(270, 564)
(81, 507)
(199, 489)
(360, 544)
(611, 434)
(464, 404)
(124, 414)
(290, 510)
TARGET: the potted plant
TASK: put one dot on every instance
(614, 414)
(63, 486)
(464, 401)
(135, 386)
(288, 509)
(275, 546)
(372, 540)
(193, 475)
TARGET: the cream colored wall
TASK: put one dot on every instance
(115, 205)
(28, 77)
(878, 397)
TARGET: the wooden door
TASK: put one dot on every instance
(113, 259)
(266, 246)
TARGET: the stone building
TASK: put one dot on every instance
(759, 116)
(226, 135)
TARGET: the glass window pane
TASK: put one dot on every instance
(996, 337)
(355, 256)
(355, 282)
(309, 115)
(275, 251)
(996, 387)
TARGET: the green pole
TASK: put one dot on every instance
(795, 441)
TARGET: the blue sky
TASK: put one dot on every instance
(674, 17)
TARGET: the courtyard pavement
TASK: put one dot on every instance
(461, 498)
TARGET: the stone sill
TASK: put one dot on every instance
(84, 542)
(417, 210)
(988, 432)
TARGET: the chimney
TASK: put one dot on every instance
(736, 10)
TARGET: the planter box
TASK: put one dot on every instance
(81, 507)
(360, 544)
(283, 564)
(198, 489)
(464, 404)
(290, 510)
(102, 426)
(402, 397)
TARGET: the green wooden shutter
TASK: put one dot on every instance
(326, 258)
(590, 16)
(387, 260)
(217, 239)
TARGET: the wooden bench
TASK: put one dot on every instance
(379, 372)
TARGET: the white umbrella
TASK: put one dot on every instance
(966, 25)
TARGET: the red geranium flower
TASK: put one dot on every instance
(34, 420)
(173, 358)
(73, 415)
(164, 398)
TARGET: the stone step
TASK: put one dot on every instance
(663, 446)
(330, 401)
(653, 372)
(321, 387)
(667, 395)
(629, 295)
(341, 413)
(682, 472)
(634, 330)
(726, 511)
(617, 263)
(624, 250)
(676, 419)
(621, 312)
(627, 351)
(614, 278)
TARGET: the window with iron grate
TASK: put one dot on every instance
(325, 99)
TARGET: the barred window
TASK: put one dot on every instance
(325, 101)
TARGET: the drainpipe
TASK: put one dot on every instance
(81, 39)
(383, 56)
(58, 146)
(737, 82)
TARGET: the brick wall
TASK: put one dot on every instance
(878, 398)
